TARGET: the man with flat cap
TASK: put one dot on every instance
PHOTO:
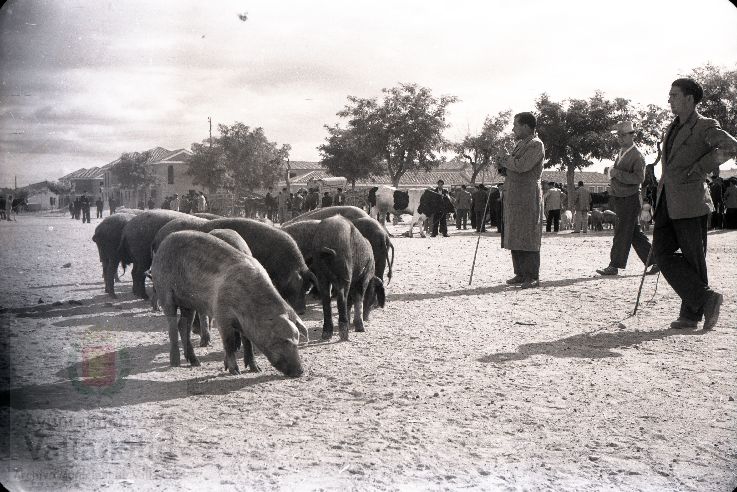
(694, 146)
(625, 178)
(522, 205)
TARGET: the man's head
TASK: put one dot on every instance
(524, 125)
(340, 190)
(625, 134)
(580, 184)
(684, 95)
(441, 183)
(284, 189)
(463, 187)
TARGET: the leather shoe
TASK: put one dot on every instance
(684, 324)
(711, 309)
(517, 279)
(610, 270)
(653, 270)
(530, 284)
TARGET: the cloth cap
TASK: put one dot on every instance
(624, 127)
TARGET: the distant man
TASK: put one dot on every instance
(151, 204)
(327, 200)
(85, 203)
(282, 200)
(694, 146)
(522, 202)
(553, 199)
(174, 203)
(730, 202)
(439, 219)
(98, 206)
(270, 203)
(625, 178)
(479, 199)
(112, 204)
(463, 205)
(201, 202)
(8, 206)
(581, 207)
(339, 198)
(297, 203)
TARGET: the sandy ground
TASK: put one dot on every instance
(451, 387)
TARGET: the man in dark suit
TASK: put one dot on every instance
(694, 146)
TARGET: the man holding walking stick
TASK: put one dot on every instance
(694, 146)
(522, 203)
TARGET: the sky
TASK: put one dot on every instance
(83, 81)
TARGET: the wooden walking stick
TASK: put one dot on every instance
(483, 221)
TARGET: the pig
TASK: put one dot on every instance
(369, 227)
(107, 238)
(135, 244)
(343, 261)
(193, 271)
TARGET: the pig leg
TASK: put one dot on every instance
(342, 302)
(139, 282)
(109, 269)
(196, 324)
(357, 302)
(204, 330)
(229, 335)
(185, 327)
(248, 358)
(327, 310)
(171, 318)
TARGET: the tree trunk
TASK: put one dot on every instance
(570, 169)
(474, 173)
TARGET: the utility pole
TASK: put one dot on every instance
(209, 120)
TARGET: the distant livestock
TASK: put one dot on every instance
(421, 203)
(349, 212)
(193, 271)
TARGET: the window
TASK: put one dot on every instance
(170, 174)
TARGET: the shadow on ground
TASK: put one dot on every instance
(586, 345)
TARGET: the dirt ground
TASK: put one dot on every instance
(452, 386)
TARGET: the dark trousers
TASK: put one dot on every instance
(86, 214)
(554, 220)
(730, 219)
(526, 264)
(439, 219)
(480, 221)
(685, 271)
(99, 212)
(461, 218)
(627, 232)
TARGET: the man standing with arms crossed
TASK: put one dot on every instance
(694, 146)
(626, 176)
(522, 203)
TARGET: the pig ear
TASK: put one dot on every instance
(326, 252)
(300, 326)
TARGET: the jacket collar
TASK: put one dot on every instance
(684, 131)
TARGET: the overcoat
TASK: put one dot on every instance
(522, 198)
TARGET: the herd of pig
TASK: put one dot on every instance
(249, 277)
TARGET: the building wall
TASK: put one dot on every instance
(92, 186)
(42, 200)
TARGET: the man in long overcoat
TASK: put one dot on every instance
(694, 146)
(523, 204)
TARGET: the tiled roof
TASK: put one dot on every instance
(304, 165)
(415, 178)
(588, 177)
